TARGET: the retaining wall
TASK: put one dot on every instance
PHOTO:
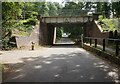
(103, 54)
(95, 31)
(25, 41)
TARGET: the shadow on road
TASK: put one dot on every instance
(71, 67)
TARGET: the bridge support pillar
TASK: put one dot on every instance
(46, 34)
(50, 30)
(54, 39)
(42, 34)
(88, 29)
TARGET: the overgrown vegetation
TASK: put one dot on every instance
(59, 33)
(75, 31)
(108, 24)
(19, 17)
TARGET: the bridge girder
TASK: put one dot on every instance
(48, 24)
(67, 19)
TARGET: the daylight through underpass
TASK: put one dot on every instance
(68, 34)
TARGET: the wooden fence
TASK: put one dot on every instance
(94, 41)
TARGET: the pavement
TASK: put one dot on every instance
(65, 63)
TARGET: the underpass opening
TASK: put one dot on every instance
(72, 28)
(68, 34)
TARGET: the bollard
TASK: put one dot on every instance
(33, 45)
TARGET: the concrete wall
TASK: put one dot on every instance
(46, 34)
(66, 19)
(25, 41)
(22, 41)
(43, 34)
(51, 36)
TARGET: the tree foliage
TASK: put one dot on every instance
(23, 15)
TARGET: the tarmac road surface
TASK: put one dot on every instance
(65, 63)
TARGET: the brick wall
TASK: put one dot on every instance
(95, 31)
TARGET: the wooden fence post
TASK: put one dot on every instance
(95, 43)
(90, 41)
(117, 48)
(103, 44)
(82, 40)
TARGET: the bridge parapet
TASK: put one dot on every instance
(67, 19)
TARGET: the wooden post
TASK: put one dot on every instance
(117, 48)
(103, 44)
(95, 43)
(82, 40)
(90, 41)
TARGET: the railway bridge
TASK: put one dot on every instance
(48, 26)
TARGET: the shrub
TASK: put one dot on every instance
(30, 21)
(100, 18)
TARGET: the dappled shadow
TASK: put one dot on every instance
(69, 67)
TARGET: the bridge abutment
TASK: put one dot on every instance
(46, 34)
(43, 34)
(50, 34)
(47, 27)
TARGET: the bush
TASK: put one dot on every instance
(30, 21)
(58, 33)
(100, 18)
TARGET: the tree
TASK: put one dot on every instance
(116, 9)
(11, 11)
(52, 9)
(72, 8)
(13, 14)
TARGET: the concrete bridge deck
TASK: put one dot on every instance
(58, 64)
(67, 19)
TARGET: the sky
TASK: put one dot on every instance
(60, 1)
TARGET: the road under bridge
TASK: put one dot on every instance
(64, 63)
(48, 24)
